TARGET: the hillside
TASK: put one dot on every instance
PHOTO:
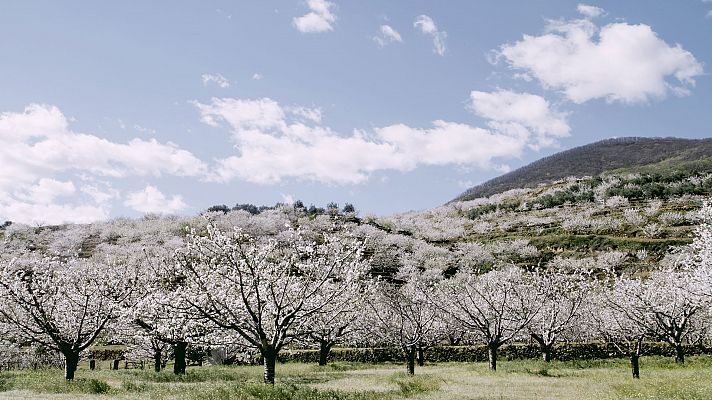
(628, 218)
(624, 155)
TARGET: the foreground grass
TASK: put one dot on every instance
(600, 379)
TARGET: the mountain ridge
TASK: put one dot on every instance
(619, 154)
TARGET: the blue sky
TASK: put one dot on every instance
(122, 108)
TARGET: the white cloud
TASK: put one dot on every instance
(216, 79)
(448, 143)
(264, 113)
(387, 35)
(590, 11)
(37, 142)
(709, 14)
(98, 195)
(273, 144)
(427, 26)
(151, 200)
(257, 76)
(37, 120)
(311, 114)
(52, 214)
(532, 112)
(45, 191)
(42, 158)
(618, 62)
(319, 19)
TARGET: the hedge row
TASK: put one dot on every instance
(107, 354)
(561, 351)
(517, 351)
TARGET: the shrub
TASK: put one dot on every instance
(96, 386)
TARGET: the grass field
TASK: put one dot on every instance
(602, 379)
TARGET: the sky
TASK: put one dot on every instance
(120, 109)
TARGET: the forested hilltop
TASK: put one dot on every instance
(631, 154)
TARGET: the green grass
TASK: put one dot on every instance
(661, 378)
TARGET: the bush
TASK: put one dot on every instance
(96, 386)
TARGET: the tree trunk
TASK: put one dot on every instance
(635, 366)
(179, 353)
(421, 356)
(492, 356)
(324, 349)
(679, 354)
(546, 352)
(269, 357)
(410, 359)
(71, 359)
(454, 340)
(157, 358)
(543, 346)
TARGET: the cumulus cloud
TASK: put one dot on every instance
(311, 114)
(590, 11)
(427, 26)
(151, 200)
(618, 62)
(45, 191)
(217, 79)
(257, 76)
(387, 35)
(98, 194)
(319, 19)
(37, 147)
(53, 214)
(275, 143)
(530, 112)
(242, 114)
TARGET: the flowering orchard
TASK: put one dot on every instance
(287, 279)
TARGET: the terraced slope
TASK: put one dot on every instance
(648, 155)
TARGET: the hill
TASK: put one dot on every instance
(634, 154)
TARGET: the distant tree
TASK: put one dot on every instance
(313, 210)
(250, 208)
(668, 305)
(163, 319)
(402, 315)
(562, 296)
(63, 305)
(348, 208)
(332, 208)
(219, 208)
(607, 322)
(335, 322)
(496, 306)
